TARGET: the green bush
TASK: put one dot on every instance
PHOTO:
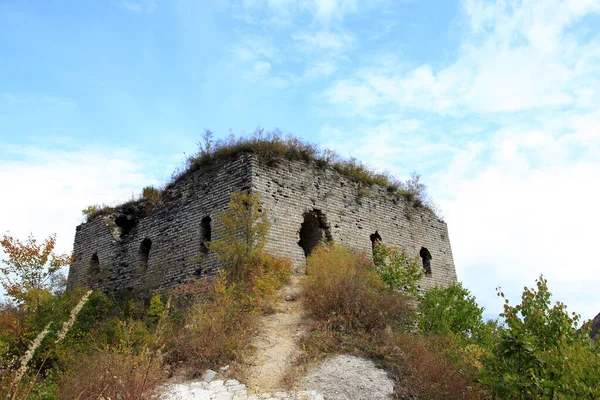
(155, 309)
(540, 353)
(91, 212)
(396, 269)
(242, 229)
(452, 310)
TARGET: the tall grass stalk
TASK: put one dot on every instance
(27, 358)
(67, 325)
(160, 328)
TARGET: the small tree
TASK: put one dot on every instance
(541, 354)
(451, 310)
(242, 230)
(396, 269)
(32, 269)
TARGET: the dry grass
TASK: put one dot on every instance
(354, 312)
(192, 291)
(271, 273)
(271, 148)
(426, 371)
(344, 291)
(131, 368)
(217, 329)
(112, 375)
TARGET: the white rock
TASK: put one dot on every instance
(209, 375)
(347, 377)
(216, 384)
(223, 396)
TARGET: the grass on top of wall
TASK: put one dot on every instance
(271, 147)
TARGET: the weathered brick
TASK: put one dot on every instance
(111, 261)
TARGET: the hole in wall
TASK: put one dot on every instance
(426, 259)
(199, 272)
(206, 233)
(375, 239)
(313, 230)
(144, 254)
(94, 264)
(125, 223)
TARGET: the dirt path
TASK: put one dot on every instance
(276, 343)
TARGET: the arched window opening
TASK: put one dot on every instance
(144, 254)
(313, 230)
(94, 264)
(426, 257)
(206, 232)
(375, 240)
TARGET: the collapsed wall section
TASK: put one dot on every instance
(306, 202)
(136, 249)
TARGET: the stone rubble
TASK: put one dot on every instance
(210, 388)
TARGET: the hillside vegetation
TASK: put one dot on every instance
(272, 147)
(81, 344)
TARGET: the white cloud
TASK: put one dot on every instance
(514, 57)
(139, 6)
(283, 12)
(519, 202)
(255, 47)
(517, 182)
(322, 52)
(256, 56)
(360, 97)
(46, 190)
(260, 71)
(11, 99)
(395, 145)
(322, 41)
(320, 69)
(524, 203)
(326, 10)
(261, 59)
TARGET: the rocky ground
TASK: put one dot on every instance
(231, 389)
(338, 378)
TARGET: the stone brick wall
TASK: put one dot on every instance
(353, 212)
(174, 228)
(110, 250)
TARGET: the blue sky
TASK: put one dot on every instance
(495, 103)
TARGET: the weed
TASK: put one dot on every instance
(216, 328)
(354, 311)
(343, 289)
(151, 194)
(427, 372)
(214, 331)
(112, 374)
(271, 148)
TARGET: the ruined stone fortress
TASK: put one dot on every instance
(135, 248)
